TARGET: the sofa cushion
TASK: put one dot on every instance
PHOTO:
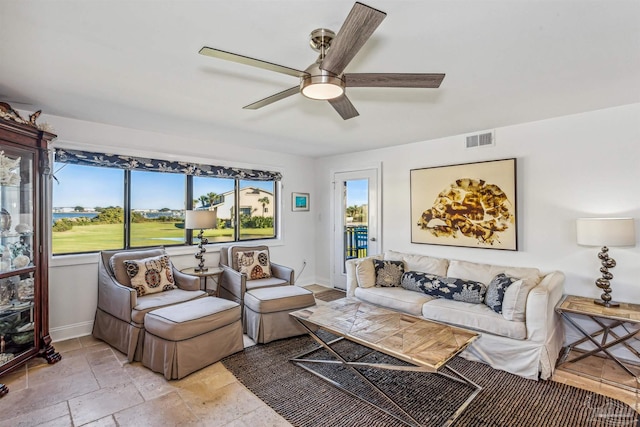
(497, 289)
(444, 287)
(255, 264)
(388, 273)
(515, 300)
(478, 317)
(425, 264)
(150, 275)
(365, 273)
(395, 298)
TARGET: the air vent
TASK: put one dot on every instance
(483, 139)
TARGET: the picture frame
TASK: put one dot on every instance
(470, 205)
(299, 202)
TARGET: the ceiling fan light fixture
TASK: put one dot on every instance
(322, 87)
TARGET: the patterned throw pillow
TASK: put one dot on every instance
(388, 273)
(496, 291)
(150, 275)
(445, 287)
(255, 264)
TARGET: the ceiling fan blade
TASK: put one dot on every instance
(221, 54)
(361, 22)
(344, 107)
(393, 80)
(273, 98)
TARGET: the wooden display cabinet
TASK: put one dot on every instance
(24, 223)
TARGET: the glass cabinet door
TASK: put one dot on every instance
(17, 270)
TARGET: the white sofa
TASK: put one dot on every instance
(527, 345)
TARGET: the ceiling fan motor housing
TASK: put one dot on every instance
(321, 84)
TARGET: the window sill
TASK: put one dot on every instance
(92, 258)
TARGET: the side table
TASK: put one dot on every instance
(213, 272)
(608, 319)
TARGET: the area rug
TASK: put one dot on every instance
(506, 400)
(330, 295)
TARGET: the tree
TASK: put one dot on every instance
(265, 202)
(110, 215)
(195, 203)
(165, 210)
(203, 199)
(212, 198)
(78, 209)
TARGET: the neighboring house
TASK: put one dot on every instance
(252, 203)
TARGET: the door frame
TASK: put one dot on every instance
(336, 222)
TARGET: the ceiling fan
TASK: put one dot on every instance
(325, 79)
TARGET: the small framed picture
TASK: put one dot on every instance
(299, 201)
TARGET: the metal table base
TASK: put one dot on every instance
(452, 374)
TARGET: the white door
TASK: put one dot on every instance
(356, 219)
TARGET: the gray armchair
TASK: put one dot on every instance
(234, 284)
(119, 319)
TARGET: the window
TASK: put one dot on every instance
(117, 202)
(87, 209)
(255, 220)
(217, 194)
(157, 208)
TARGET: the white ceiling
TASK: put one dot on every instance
(135, 63)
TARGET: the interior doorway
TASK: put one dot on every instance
(356, 219)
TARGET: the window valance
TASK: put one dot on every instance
(87, 158)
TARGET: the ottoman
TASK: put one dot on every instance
(266, 312)
(185, 337)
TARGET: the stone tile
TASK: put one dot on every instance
(263, 417)
(203, 374)
(219, 406)
(84, 351)
(167, 410)
(100, 403)
(38, 416)
(59, 422)
(46, 394)
(89, 341)
(63, 369)
(150, 384)
(16, 380)
(103, 422)
(67, 345)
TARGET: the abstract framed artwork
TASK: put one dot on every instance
(471, 205)
(299, 202)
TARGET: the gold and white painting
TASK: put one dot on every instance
(471, 205)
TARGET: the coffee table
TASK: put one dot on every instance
(428, 346)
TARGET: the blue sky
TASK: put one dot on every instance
(89, 187)
(357, 192)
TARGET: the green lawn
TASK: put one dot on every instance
(96, 237)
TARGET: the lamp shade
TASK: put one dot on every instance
(606, 231)
(200, 220)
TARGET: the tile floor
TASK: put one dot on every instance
(94, 385)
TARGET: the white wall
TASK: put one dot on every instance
(73, 279)
(567, 167)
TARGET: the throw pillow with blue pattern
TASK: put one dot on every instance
(445, 287)
(496, 291)
(388, 273)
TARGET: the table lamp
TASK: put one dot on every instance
(194, 220)
(606, 232)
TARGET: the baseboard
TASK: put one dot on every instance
(68, 332)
